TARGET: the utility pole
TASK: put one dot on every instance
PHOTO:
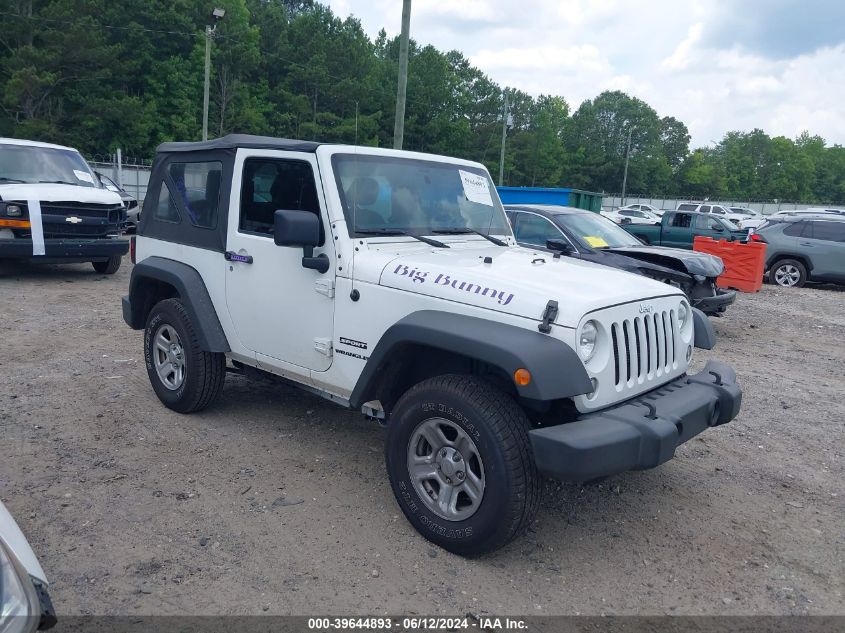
(216, 16)
(356, 123)
(401, 90)
(504, 138)
(627, 155)
(209, 33)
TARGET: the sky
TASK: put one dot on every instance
(717, 65)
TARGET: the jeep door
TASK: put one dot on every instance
(282, 312)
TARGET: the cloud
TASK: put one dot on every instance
(717, 65)
(777, 29)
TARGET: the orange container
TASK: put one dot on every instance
(744, 262)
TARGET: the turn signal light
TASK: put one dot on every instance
(15, 224)
(522, 376)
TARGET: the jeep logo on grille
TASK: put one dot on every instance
(646, 308)
(73, 219)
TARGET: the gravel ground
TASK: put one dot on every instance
(274, 501)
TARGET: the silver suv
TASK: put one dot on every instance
(803, 248)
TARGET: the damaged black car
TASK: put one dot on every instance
(586, 235)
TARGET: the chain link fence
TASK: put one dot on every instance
(133, 174)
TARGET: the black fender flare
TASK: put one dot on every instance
(556, 370)
(191, 290)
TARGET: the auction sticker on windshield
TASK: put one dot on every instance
(595, 241)
(476, 188)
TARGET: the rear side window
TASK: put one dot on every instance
(686, 207)
(166, 208)
(705, 209)
(682, 220)
(794, 229)
(198, 189)
(828, 231)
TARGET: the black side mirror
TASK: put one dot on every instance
(562, 246)
(300, 228)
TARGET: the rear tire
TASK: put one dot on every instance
(475, 485)
(108, 267)
(184, 376)
(788, 273)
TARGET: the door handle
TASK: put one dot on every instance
(810, 244)
(235, 257)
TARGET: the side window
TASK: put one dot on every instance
(794, 229)
(626, 213)
(829, 231)
(535, 229)
(705, 208)
(682, 220)
(166, 208)
(270, 184)
(198, 189)
(703, 222)
(686, 207)
(719, 210)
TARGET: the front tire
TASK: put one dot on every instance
(460, 464)
(108, 267)
(789, 273)
(184, 376)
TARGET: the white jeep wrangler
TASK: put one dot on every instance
(390, 282)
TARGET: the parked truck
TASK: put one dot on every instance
(679, 228)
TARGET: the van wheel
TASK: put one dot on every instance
(108, 267)
(789, 273)
(460, 464)
(184, 377)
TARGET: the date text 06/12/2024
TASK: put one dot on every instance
(416, 623)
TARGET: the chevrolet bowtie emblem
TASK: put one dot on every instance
(73, 219)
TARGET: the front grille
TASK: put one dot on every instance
(80, 209)
(90, 221)
(640, 346)
(643, 347)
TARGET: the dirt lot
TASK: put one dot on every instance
(275, 501)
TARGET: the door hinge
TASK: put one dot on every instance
(323, 345)
(325, 287)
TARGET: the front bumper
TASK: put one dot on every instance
(639, 433)
(65, 251)
(715, 304)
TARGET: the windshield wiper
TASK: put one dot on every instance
(458, 231)
(421, 238)
(4, 179)
(56, 182)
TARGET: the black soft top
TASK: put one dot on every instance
(234, 141)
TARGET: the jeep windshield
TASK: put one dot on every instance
(387, 194)
(595, 231)
(32, 164)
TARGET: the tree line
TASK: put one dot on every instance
(98, 75)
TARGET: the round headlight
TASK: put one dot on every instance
(683, 315)
(587, 340)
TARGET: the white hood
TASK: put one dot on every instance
(21, 192)
(518, 281)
